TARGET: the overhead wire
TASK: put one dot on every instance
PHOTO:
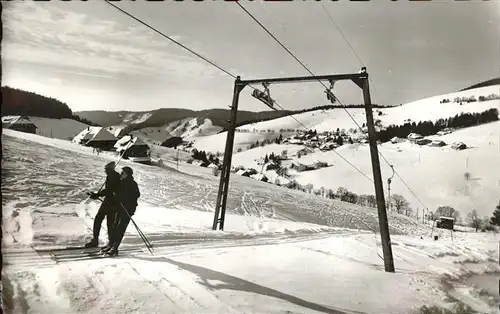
(288, 50)
(338, 100)
(330, 17)
(221, 69)
(169, 38)
(188, 49)
(363, 64)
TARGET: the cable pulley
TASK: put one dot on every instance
(390, 179)
(264, 96)
(329, 94)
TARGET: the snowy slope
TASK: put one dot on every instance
(188, 129)
(137, 118)
(329, 120)
(217, 142)
(65, 129)
(173, 188)
(259, 264)
(436, 175)
(206, 128)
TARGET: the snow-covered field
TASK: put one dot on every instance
(262, 263)
(189, 129)
(328, 120)
(435, 174)
(58, 128)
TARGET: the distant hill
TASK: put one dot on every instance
(495, 81)
(164, 116)
(19, 102)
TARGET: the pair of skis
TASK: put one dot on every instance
(82, 253)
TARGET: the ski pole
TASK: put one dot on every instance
(121, 156)
(148, 244)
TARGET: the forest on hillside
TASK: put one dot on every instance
(495, 81)
(19, 102)
(219, 117)
(426, 128)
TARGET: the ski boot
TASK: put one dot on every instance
(106, 249)
(92, 244)
(112, 252)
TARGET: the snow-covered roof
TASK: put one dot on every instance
(446, 218)
(128, 141)
(11, 120)
(259, 176)
(94, 134)
(115, 130)
(414, 136)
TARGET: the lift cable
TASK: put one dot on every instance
(348, 43)
(300, 62)
(307, 69)
(222, 69)
(363, 64)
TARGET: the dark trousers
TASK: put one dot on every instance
(119, 227)
(107, 211)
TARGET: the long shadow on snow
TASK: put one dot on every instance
(238, 284)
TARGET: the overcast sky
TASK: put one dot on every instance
(93, 57)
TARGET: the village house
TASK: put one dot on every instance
(298, 166)
(458, 146)
(327, 147)
(96, 137)
(437, 143)
(197, 162)
(138, 151)
(396, 140)
(422, 141)
(19, 123)
(412, 137)
(247, 172)
(304, 151)
(296, 141)
(320, 164)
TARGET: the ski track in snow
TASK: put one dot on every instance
(70, 176)
(43, 190)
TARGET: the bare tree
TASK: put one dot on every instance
(400, 204)
(447, 211)
(473, 220)
(309, 187)
(323, 191)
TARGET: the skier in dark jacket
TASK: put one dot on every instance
(109, 205)
(127, 196)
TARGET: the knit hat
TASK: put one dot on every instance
(128, 171)
(110, 165)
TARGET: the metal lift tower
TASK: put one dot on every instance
(361, 80)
